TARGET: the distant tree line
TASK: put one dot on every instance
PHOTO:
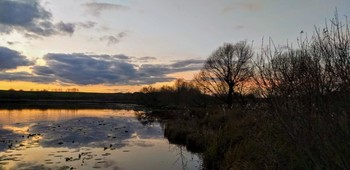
(182, 93)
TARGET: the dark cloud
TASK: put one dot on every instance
(155, 71)
(108, 69)
(151, 70)
(188, 63)
(146, 59)
(31, 19)
(84, 69)
(10, 59)
(122, 57)
(113, 39)
(66, 27)
(112, 57)
(25, 76)
(19, 13)
(96, 8)
(88, 24)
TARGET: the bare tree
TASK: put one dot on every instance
(227, 68)
(307, 91)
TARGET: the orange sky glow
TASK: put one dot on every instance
(32, 86)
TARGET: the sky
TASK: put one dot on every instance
(123, 45)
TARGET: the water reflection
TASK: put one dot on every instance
(85, 139)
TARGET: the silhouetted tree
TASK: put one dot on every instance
(226, 68)
(308, 94)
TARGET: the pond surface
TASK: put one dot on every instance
(86, 139)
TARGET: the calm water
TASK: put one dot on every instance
(86, 139)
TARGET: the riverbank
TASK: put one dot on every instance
(262, 136)
(214, 133)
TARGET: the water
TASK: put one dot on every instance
(86, 139)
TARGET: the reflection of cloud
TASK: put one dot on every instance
(94, 132)
(99, 142)
(17, 129)
(31, 166)
(141, 143)
(8, 138)
(96, 8)
(31, 19)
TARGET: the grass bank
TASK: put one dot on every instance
(258, 138)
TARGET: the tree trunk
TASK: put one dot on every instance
(230, 96)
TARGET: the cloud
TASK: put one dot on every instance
(12, 42)
(84, 69)
(10, 59)
(96, 8)
(66, 27)
(122, 57)
(31, 19)
(113, 39)
(88, 24)
(146, 59)
(25, 76)
(162, 70)
(188, 63)
(22, 12)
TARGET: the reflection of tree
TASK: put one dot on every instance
(182, 159)
(145, 118)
